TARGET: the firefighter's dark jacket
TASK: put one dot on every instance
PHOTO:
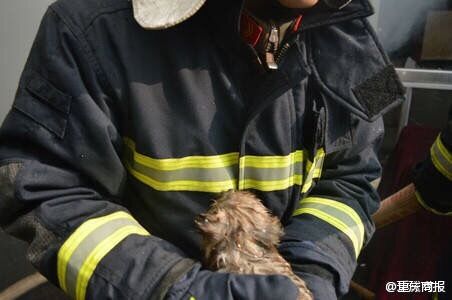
(433, 177)
(118, 137)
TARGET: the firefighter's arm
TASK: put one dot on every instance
(62, 177)
(62, 180)
(333, 221)
(433, 177)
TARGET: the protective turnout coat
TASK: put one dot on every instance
(433, 177)
(118, 137)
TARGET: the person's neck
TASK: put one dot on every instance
(265, 28)
(271, 10)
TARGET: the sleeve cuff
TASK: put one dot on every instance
(441, 158)
(431, 209)
(321, 289)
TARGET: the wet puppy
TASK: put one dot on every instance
(241, 236)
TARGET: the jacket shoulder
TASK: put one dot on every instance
(352, 69)
(82, 13)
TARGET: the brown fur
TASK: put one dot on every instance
(241, 236)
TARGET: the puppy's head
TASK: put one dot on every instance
(238, 221)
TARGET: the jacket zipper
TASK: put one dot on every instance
(282, 52)
(271, 50)
(273, 53)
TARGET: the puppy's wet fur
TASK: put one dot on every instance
(241, 236)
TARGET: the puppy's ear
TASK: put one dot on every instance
(269, 234)
(213, 224)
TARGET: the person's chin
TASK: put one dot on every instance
(298, 3)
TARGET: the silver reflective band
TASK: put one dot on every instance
(215, 173)
(80, 254)
(338, 215)
(441, 158)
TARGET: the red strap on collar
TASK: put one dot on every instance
(250, 31)
(297, 23)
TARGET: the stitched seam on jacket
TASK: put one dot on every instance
(87, 51)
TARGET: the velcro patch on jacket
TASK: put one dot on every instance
(45, 104)
(356, 73)
(49, 94)
(379, 91)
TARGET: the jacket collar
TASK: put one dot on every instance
(321, 15)
(223, 18)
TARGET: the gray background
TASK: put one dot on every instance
(19, 21)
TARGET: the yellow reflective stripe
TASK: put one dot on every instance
(441, 168)
(273, 185)
(98, 253)
(441, 158)
(447, 155)
(215, 173)
(317, 173)
(337, 214)
(269, 162)
(425, 206)
(184, 185)
(315, 170)
(169, 164)
(318, 162)
(308, 166)
(215, 161)
(71, 244)
(334, 222)
(90, 242)
(342, 207)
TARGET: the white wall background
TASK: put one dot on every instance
(375, 18)
(19, 21)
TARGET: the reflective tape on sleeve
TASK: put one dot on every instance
(431, 209)
(338, 215)
(80, 254)
(441, 158)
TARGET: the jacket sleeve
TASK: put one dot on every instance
(333, 221)
(433, 177)
(62, 180)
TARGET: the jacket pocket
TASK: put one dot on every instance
(44, 104)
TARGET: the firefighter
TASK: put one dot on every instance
(433, 187)
(433, 177)
(433, 183)
(131, 116)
